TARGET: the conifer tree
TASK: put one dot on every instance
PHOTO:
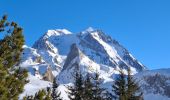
(126, 88)
(119, 87)
(11, 80)
(40, 95)
(55, 94)
(48, 94)
(88, 88)
(76, 91)
(133, 90)
(97, 90)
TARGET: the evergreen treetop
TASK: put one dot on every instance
(126, 88)
(76, 91)
(55, 94)
(12, 78)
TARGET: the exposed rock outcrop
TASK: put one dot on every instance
(48, 76)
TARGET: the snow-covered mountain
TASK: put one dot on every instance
(54, 47)
(58, 52)
(155, 84)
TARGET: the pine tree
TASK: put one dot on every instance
(97, 90)
(48, 94)
(11, 80)
(119, 87)
(76, 91)
(40, 95)
(133, 90)
(126, 88)
(55, 94)
(88, 88)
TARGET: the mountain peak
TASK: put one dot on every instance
(57, 32)
(90, 29)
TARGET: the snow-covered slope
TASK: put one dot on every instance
(155, 84)
(91, 50)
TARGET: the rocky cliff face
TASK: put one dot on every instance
(48, 76)
(74, 52)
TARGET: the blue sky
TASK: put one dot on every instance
(141, 26)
